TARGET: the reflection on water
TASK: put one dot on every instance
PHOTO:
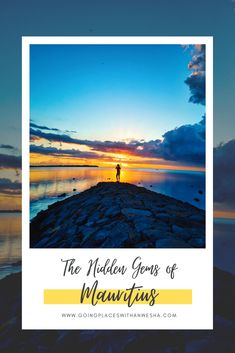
(48, 183)
(10, 243)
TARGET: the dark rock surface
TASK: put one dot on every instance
(119, 215)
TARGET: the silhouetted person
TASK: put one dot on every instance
(118, 168)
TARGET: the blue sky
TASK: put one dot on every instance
(111, 92)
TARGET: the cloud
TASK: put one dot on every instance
(224, 173)
(71, 131)
(53, 151)
(115, 146)
(104, 146)
(196, 80)
(41, 127)
(37, 134)
(8, 147)
(185, 144)
(9, 161)
(9, 187)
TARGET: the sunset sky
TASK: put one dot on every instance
(103, 104)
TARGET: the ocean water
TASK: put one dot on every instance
(10, 243)
(47, 184)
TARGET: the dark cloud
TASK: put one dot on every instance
(9, 187)
(196, 81)
(34, 138)
(71, 131)
(8, 147)
(185, 144)
(36, 134)
(53, 151)
(9, 161)
(41, 127)
(104, 146)
(224, 173)
(115, 146)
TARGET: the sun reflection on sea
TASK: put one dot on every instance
(50, 184)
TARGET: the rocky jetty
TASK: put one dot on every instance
(119, 215)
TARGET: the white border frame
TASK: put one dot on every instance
(185, 40)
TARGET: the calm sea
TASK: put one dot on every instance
(48, 184)
(10, 243)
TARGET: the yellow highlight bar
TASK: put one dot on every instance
(73, 296)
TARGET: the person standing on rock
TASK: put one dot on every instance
(118, 174)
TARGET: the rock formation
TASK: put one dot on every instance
(119, 215)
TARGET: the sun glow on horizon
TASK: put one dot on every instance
(112, 160)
